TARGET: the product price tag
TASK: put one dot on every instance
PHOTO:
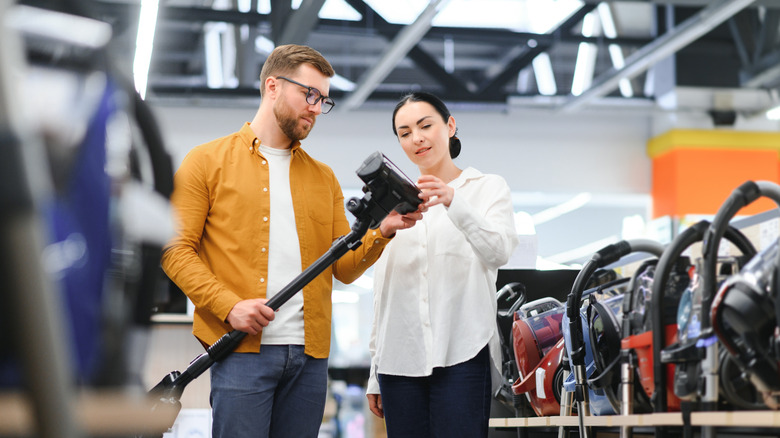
(768, 232)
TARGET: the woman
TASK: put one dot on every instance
(434, 340)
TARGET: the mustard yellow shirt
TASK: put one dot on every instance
(219, 255)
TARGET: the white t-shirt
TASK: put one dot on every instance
(435, 283)
(284, 252)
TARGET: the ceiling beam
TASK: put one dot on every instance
(403, 42)
(692, 3)
(687, 32)
(743, 30)
(193, 14)
(525, 58)
(300, 23)
(281, 10)
(767, 34)
(765, 73)
(420, 57)
(331, 26)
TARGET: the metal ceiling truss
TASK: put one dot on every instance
(282, 21)
(708, 18)
(493, 86)
(756, 38)
(420, 64)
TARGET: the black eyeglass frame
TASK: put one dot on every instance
(327, 101)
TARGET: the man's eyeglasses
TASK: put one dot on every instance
(313, 96)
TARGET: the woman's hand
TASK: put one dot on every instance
(435, 191)
(375, 405)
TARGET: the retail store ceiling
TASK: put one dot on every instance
(519, 49)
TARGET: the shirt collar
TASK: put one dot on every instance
(250, 139)
(467, 174)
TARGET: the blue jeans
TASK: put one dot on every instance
(279, 392)
(452, 402)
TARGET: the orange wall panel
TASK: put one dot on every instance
(697, 181)
(694, 171)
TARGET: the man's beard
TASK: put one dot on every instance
(289, 123)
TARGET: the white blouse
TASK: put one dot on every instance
(435, 283)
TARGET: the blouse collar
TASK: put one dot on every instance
(467, 174)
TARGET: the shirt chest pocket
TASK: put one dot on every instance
(320, 205)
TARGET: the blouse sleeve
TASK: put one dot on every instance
(489, 228)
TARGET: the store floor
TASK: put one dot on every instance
(172, 346)
(196, 423)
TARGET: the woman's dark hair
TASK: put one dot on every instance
(441, 108)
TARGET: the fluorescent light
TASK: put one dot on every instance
(342, 83)
(545, 81)
(244, 5)
(563, 208)
(213, 47)
(586, 58)
(449, 55)
(144, 42)
(615, 52)
(774, 113)
(263, 45)
(607, 21)
(618, 61)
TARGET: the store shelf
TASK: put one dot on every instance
(98, 414)
(717, 418)
(172, 318)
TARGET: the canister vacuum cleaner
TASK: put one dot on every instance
(746, 309)
(606, 256)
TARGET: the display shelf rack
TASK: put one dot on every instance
(769, 419)
(99, 413)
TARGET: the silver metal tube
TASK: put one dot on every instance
(583, 405)
(709, 368)
(626, 394)
(566, 405)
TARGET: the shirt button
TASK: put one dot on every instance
(265, 219)
(264, 161)
(265, 189)
(262, 249)
(262, 280)
(376, 241)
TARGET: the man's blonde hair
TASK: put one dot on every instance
(284, 60)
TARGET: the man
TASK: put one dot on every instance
(254, 210)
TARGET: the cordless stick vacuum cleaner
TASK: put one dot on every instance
(600, 322)
(676, 361)
(668, 348)
(605, 256)
(745, 319)
(386, 189)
